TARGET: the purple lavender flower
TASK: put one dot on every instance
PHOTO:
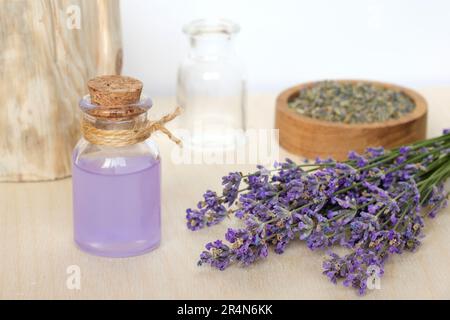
(355, 268)
(209, 212)
(346, 203)
(369, 204)
(375, 152)
(218, 255)
(245, 249)
(404, 150)
(437, 200)
(231, 185)
(360, 160)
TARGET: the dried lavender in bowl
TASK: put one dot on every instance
(351, 103)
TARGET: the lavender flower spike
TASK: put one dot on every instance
(369, 204)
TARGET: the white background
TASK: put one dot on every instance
(284, 42)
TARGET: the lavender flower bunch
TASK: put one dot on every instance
(373, 205)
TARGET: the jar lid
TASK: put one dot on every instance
(115, 97)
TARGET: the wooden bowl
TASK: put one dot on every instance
(313, 138)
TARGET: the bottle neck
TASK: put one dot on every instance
(115, 123)
(211, 46)
(130, 130)
(115, 117)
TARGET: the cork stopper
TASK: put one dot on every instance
(116, 96)
(114, 90)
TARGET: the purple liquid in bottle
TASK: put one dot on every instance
(117, 205)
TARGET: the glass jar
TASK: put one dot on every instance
(211, 86)
(116, 189)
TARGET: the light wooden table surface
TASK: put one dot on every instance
(36, 245)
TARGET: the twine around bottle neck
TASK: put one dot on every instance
(139, 132)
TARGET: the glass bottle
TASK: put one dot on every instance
(211, 86)
(116, 189)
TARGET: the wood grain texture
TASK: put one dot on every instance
(44, 67)
(314, 138)
(36, 245)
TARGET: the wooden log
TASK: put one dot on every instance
(48, 51)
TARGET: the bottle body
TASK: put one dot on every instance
(117, 198)
(211, 86)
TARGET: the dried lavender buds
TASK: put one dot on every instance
(351, 103)
(373, 204)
